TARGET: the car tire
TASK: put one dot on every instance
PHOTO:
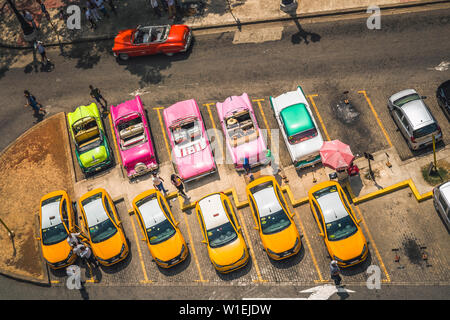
(169, 54)
(124, 56)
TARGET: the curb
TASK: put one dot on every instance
(330, 13)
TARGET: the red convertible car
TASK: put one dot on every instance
(143, 41)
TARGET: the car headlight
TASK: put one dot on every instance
(122, 249)
(337, 259)
(272, 253)
(244, 254)
(297, 241)
(364, 249)
(183, 249)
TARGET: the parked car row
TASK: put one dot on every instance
(101, 228)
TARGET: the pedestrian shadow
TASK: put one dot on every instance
(303, 35)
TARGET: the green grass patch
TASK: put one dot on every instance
(435, 178)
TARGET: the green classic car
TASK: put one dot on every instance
(91, 144)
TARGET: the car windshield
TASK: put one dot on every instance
(186, 131)
(410, 97)
(274, 222)
(221, 235)
(303, 136)
(102, 231)
(341, 229)
(324, 191)
(424, 131)
(160, 232)
(54, 234)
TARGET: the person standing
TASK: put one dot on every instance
(29, 17)
(73, 240)
(172, 9)
(90, 18)
(32, 102)
(90, 4)
(276, 169)
(40, 48)
(158, 182)
(334, 271)
(155, 6)
(85, 253)
(101, 7)
(95, 93)
(178, 183)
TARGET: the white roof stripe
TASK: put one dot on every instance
(51, 210)
(212, 211)
(151, 213)
(332, 207)
(266, 201)
(95, 212)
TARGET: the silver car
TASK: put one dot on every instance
(441, 200)
(414, 119)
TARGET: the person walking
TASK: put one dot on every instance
(73, 240)
(172, 9)
(334, 271)
(276, 169)
(40, 48)
(155, 6)
(95, 93)
(32, 102)
(90, 4)
(158, 182)
(85, 253)
(178, 183)
(90, 18)
(29, 17)
(101, 7)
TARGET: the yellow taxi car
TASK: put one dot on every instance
(338, 224)
(273, 218)
(56, 221)
(221, 233)
(103, 228)
(161, 232)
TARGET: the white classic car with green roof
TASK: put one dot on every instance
(298, 127)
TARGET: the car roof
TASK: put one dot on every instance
(445, 191)
(332, 207)
(51, 209)
(95, 212)
(266, 201)
(417, 113)
(296, 119)
(151, 213)
(212, 211)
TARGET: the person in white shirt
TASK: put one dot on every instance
(73, 240)
(172, 9)
(85, 253)
(157, 182)
(155, 6)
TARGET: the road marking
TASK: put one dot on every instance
(115, 140)
(311, 98)
(163, 131)
(388, 279)
(324, 292)
(376, 117)
(139, 251)
(193, 250)
(214, 126)
(252, 253)
(258, 101)
(443, 66)
(316, 265)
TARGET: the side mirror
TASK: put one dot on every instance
(423, 97)
(256, 228)
(292, 214)
(176, 223)
(204, 241)
(358, 221)
(38, 239)
(143, 239)
(322, 235)
(119, 223)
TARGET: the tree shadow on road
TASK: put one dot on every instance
(303, 35)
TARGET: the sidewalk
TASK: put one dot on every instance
(131, 13)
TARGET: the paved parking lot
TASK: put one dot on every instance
(374, 130)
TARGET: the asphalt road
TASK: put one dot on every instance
(325, 58)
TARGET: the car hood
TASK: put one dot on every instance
(287, 99)
(281, 241)
(229, 253)
(123, 38)
(94, 156)
(139, 153)
(305, 148)
(108, 248)
(56, 252)
(168, 249)
(195, 164)
(349, 248)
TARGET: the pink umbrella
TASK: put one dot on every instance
(336, 154)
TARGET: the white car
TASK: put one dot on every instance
(299, 128)
(441, 200)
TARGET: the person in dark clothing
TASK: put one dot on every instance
(178, 183)
(32, 102)
(334, 271)
(95, 93)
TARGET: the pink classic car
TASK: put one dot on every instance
(133, 137)
(191, 151)
(242, 134)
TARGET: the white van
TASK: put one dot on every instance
(441, 200)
